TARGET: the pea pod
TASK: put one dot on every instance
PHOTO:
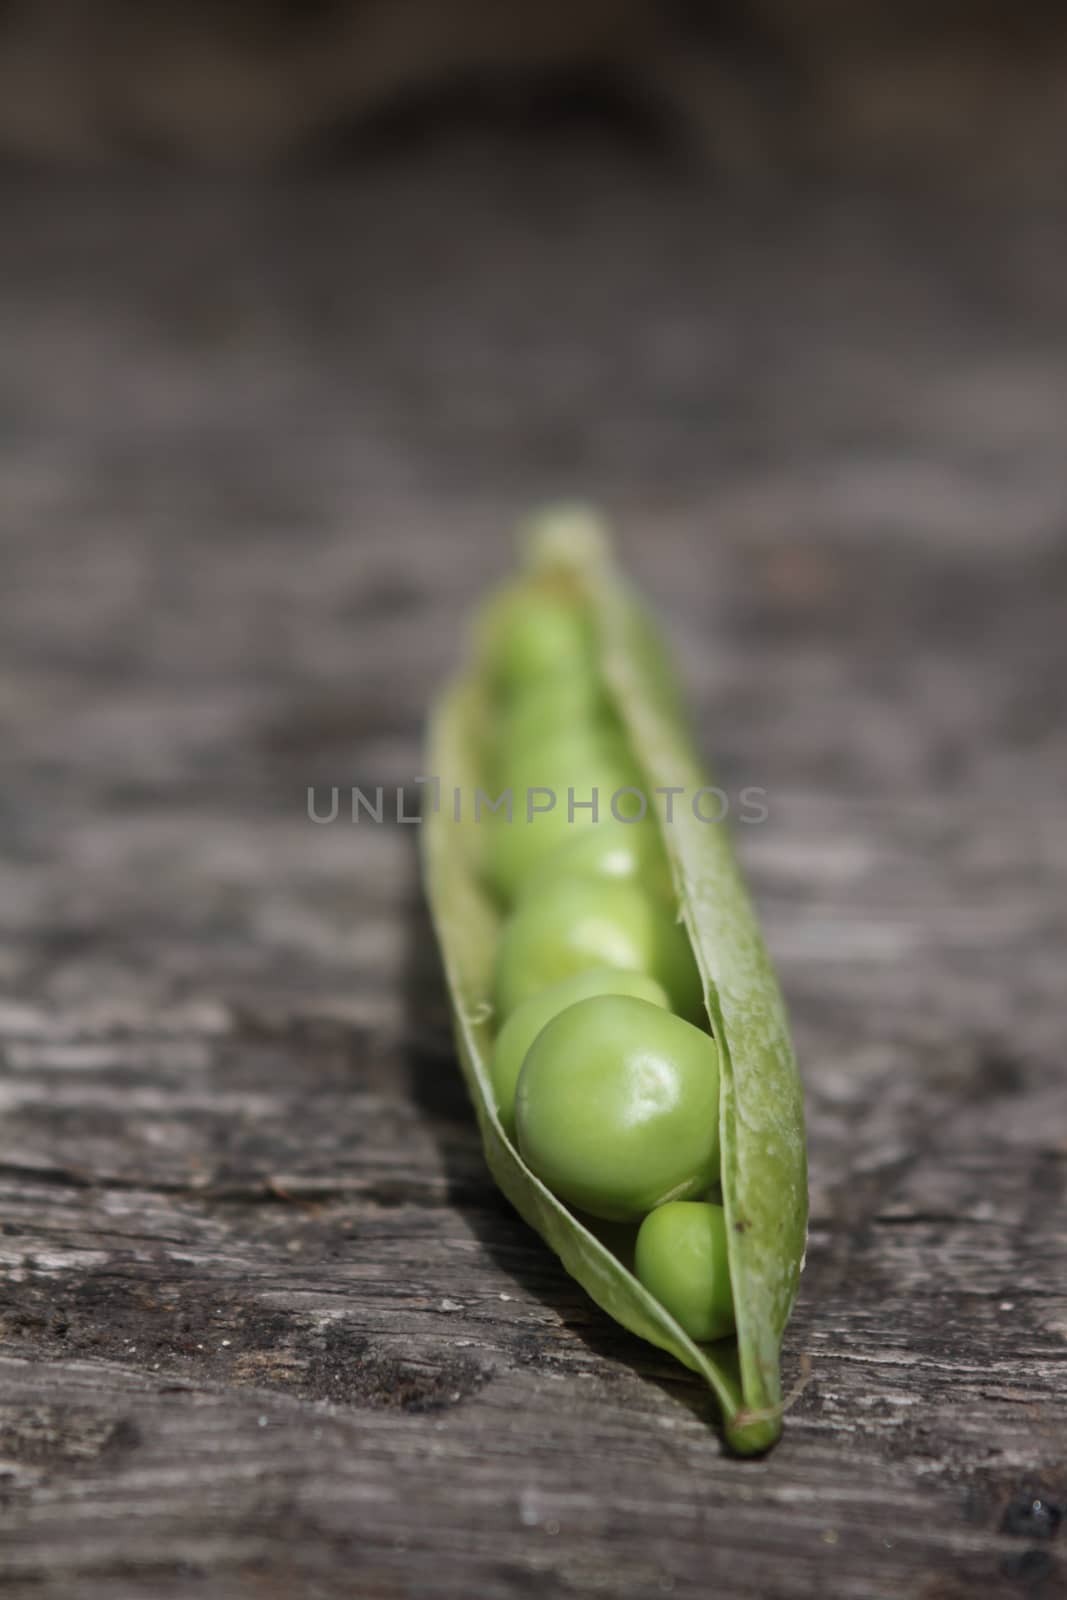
(761, 1129)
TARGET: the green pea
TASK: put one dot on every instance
(630, 852)
(589, 922)
(531, 634)
(562, 702)
(526, 1021)
(516, 847)
(682, 1259)
(562, 755)
(617, 1109)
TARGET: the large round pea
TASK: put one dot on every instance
(530, 633)
(617, 1107)
(630, 852)
(682, 1258)
(526, 1021)
(590, 922)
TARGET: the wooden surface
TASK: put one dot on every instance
(267, 1331)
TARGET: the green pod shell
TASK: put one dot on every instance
(761, 1125)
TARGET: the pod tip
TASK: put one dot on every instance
(752, 1433)
(566, 534)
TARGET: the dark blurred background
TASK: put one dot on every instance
(969, 89)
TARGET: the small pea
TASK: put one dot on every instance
(562, 702)
(563, 757)
(617, 1109)
(515, 849)
(630, 852)
(589, 922)
(526, 1021)
(682, 1258)
(530, 634)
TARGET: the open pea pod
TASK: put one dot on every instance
(761, 1126)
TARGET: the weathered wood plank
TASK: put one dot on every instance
(265, 1328)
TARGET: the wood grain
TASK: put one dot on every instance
(265, 1327)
